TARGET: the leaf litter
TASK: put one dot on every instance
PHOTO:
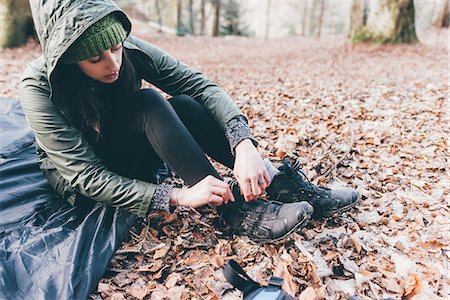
(368, 117)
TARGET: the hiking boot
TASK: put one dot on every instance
(292, 185)
(261, 220)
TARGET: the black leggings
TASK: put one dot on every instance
(152, 130)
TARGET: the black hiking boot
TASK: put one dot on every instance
(292, 185)
(261, 220)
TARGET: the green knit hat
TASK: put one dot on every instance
(101, 36)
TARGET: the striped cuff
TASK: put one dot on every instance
(237, 130)
(161, 197)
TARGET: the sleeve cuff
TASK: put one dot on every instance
(161, 198)
(237, 130)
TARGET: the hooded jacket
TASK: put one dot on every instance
(63, 147)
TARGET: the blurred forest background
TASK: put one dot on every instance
(378, 20)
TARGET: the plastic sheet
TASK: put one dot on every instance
(48, 248)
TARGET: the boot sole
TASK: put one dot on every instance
(283, 237)
(339, 210)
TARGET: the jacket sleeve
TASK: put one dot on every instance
(72, 155)
(175, 78)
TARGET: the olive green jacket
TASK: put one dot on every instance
(61, 146)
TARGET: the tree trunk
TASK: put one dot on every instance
(313, 19)
(180, 27)
(173, 14)
(191, 17)
(319, 26)
(216, 24)
(266, 33)
(202, 17)
(446, 18)
(389, 21)
(305, 10)
(356, 18)
(440, 19)
(158, 14)
(15, 22)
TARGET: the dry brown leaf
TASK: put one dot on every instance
(308, 294)
(176, 293)
(172, 280)
(217, 261)
(138, 289)
(104, 287)
(281, 270)
(161, 253)
(158, 295)
(280, 153)
(223, 248)
(117, 296)
(169, 217)
(432, 244)
(146, 268)
(396, 217)
(356, 243)
(412, 286)
(153, 267)
(391, 284)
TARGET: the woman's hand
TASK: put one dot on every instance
(209, 190)
(250, 171)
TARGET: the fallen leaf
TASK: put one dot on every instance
(217, 261)
(117, 296)
(138, 289)
(280, 153)
(433, 244)
(322, 268)
(282, 271)
(412, 286)
(356, 243)
(308, 294)
(346, 286)
(160, 253)
(172, 280)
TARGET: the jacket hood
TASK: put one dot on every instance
(58, 23)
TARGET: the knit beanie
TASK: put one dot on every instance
(101, 36)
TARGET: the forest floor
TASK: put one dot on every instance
(369, 117)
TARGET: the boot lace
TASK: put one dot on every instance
(258, 207)
(297, 177)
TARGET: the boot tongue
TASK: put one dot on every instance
(294, 172)
(287, 167)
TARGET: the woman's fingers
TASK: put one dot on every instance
(221, 192)
(264, 182)
(230, 194)
(266, 178)
(255, 187)
(216, 200)
(246, 189)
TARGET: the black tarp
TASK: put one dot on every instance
(48, 248)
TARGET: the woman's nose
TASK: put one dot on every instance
(113, 62)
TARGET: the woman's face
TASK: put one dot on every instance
(104, 67)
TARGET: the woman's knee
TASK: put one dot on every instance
(149, 101)
(188, 108)
(183, 102)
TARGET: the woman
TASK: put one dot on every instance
(100, 136)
